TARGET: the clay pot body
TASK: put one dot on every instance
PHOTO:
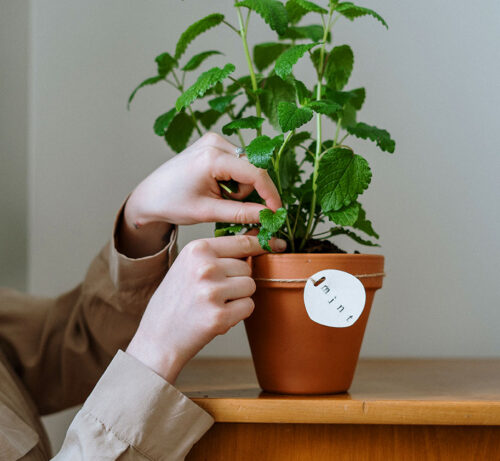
(291, 353)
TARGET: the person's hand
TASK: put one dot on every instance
(185, 190)
(205, 292)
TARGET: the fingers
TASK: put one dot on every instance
(238, 287)
(219, 142)
(244, 191)
(238, 310)
(230, 167)
(241, 246)
(234, 267)
(230, 211)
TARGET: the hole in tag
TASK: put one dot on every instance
(319, 282)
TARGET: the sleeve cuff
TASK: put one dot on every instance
(129, 273)
(143, 409)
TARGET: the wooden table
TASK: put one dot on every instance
(395, 410)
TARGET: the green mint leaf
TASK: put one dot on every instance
(270, 224)
(324, 107)
(378, 135)
(354, 97)
(349, 115)
(312, 32)
(165, 64)
(251, 122)
(273, 12)
(264, 54)
(289, 169)
(291, 117)
(311, 7)
(163, 121)
(352, 11)
(303, 94)
(272, 221)
(342, 176)
(244, 82)
(179, 132)
(221, 103)
(284, 64)
(315, 58)
(275, 90)
(198, 59)
(196, 29)
(357, 98)
(339, 66)
(295, 11)
(264, 236)
(351, 101)
(297, 139)
(260, 151)
(364, 224)
(208, 118)
(354, 236)
(222, 229)
(205, 81)
(148, 81)
(346, 216)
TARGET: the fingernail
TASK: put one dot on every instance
(279, 245)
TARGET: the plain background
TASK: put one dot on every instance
(70, 152)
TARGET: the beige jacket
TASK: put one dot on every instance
(54, 351)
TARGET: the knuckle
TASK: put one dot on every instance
(197, 247)
(206, 271)
(241, 214)
(218, 322)
(209, 294)
(246, 243)
(210, 153)
(211, 138)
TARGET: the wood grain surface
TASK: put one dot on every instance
(410, 391)
(332, 442)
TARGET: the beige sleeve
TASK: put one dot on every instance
(134, 414)
(59, 347)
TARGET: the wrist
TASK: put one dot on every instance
(138, 237)
(167, 364)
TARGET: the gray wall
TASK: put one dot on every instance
(14, 24)
(432, 81)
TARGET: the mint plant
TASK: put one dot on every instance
(318, 176)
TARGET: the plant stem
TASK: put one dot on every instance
(337, 131)
(253, 78)
(276, 166)
(322, 233)
(238, 132)
(180, 87)
(317, 158)
(297, 216)
(231, 27)
(343, 139)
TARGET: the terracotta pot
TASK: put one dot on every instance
(291, 353)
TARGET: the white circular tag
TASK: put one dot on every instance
(337, 299)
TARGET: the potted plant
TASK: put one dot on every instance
(318, 175)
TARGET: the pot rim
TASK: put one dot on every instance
(318, 255)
